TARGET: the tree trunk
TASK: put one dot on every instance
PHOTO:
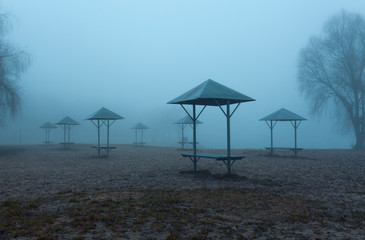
(360, 141)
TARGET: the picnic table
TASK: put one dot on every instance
(104, 147)
(66, 144)
(227, 160)
(295, 150)
(186, 142)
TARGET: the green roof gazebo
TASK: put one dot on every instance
(48, 127)
(139, 127)
(104, 117)
(286, 116)
(211, 93)
(66, 124)
(183, 122)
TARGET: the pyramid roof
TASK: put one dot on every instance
(48, 125)
(104, 114)
(187, 120)
(140, 126)
(283, 115)
(209, 93)
(67, 121)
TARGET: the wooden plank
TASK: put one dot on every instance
(284, 148)
(215, 156)
(103, 147)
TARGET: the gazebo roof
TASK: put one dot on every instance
(187, 120)
(209, 93)
(48, 125)
(140, 126)
(283, 115)
(67, 121)
(104, 114)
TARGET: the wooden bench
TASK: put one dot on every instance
(187, 142)
(219, 157)
(295, 150)
(66, 144)
(104, 147)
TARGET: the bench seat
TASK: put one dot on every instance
(218, 157)
(103, 147)
(284, 148)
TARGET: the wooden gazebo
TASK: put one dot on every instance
(211, 93)
(104, 117)
(283, 115)
(48, 127)
(139, 128)
(67, 124)
(182, 123)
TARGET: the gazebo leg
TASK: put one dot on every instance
(295, 138)
(194, 136)
(182, 136)
(272, 139)
(98, 137)
(64, 137)
(107, 150)
(228, 138)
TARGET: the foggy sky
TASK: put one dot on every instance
(132, 57)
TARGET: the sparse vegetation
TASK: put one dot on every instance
(165, 214)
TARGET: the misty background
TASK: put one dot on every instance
(132, 57)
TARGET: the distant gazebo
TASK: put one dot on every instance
(283, 115)
(48, 127)
(182, 123)
(66, 124)
(104, 117)
(139, 127)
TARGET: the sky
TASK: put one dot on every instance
(132, 57)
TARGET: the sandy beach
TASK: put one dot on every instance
(335, 179)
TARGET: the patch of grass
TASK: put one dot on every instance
(20, 219)
(358, 219)
(356, 192)
(175, 214)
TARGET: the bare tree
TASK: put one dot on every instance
(331, 73)
(13, 62)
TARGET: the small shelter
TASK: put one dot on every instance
(48, 127)
(66, 124)
(139, 127)
(211, 93)
(104, 117)
(183, 122)
(286, 116)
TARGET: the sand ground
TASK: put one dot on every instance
(336, 177)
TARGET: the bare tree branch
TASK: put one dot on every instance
(13, 62)
(331, 72)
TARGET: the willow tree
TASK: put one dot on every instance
(13, 62)
(331, 73)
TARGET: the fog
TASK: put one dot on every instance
(132, 57)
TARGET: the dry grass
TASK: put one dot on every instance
(222, 213)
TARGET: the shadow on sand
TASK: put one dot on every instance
(206, 174)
